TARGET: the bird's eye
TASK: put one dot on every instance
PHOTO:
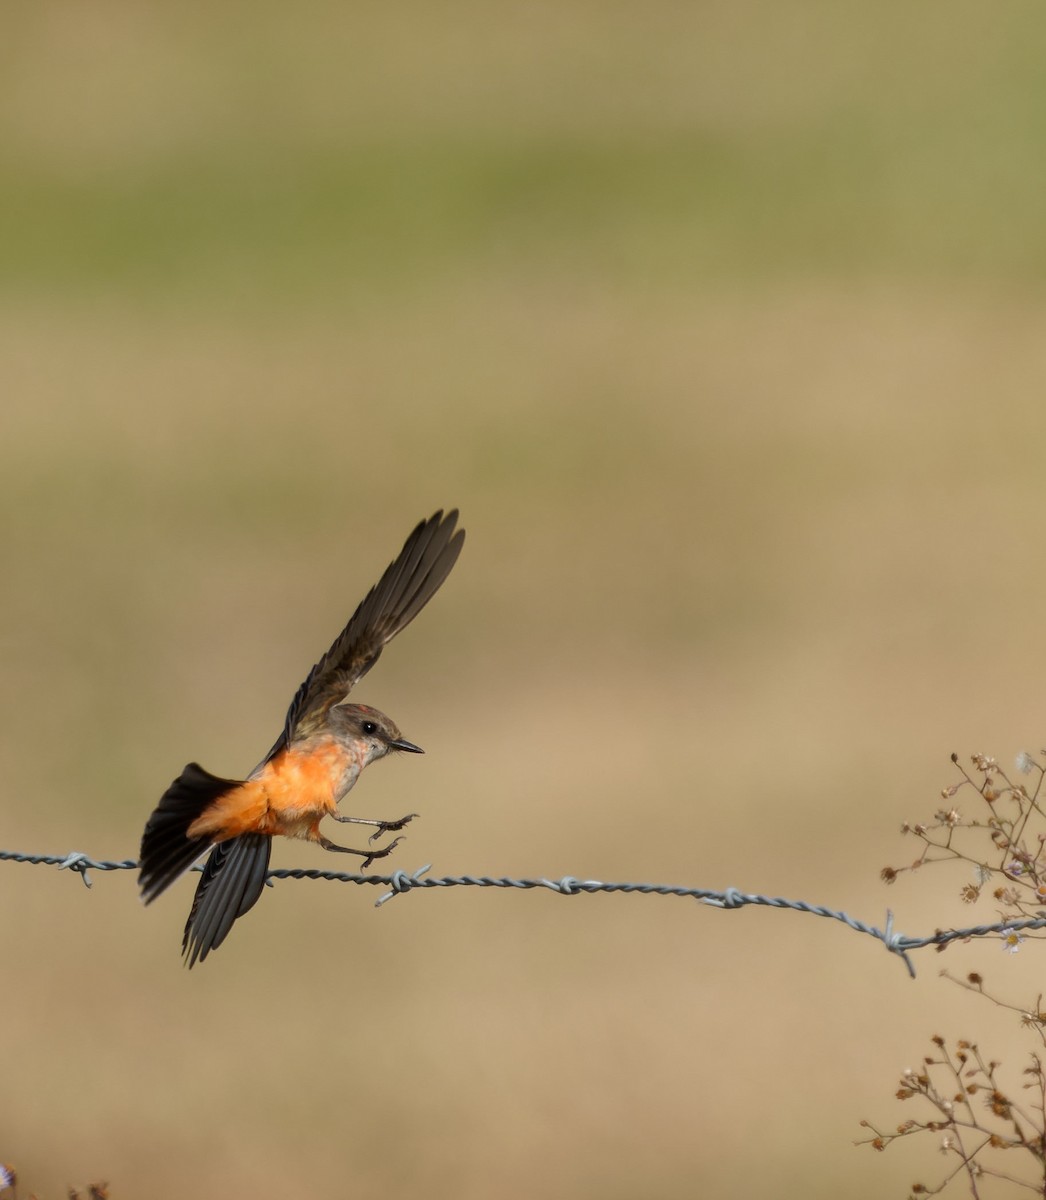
(369, 727)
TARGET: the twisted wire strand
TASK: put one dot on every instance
(401, 882)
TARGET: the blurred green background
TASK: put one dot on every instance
(723, 324)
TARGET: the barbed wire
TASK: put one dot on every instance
(401, 882)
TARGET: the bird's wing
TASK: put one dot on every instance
(233, 879)
(407, 585)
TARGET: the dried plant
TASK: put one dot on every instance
(1002, 839)
(987, 1127)
(9, 1187)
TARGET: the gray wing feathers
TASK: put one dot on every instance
(407, 585)
(232, 881)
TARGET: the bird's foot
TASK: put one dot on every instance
(373, 854)
(368, 856)
(390, 826)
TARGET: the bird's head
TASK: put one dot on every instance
(371, 731)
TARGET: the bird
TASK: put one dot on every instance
(313, 764)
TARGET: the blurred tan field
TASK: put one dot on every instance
(723, 326)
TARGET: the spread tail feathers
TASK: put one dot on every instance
(232, 881)
(167, 851)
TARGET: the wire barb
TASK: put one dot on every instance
(569, 886)
(400, 882)
(895, 943)
(75, 861)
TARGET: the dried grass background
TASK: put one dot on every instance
(722, 324)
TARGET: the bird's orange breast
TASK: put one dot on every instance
(288, 796)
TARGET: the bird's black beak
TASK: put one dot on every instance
(403, 744)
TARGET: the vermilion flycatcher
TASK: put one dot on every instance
(324, 746)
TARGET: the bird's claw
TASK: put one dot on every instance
(380, 853)
(390, 827)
